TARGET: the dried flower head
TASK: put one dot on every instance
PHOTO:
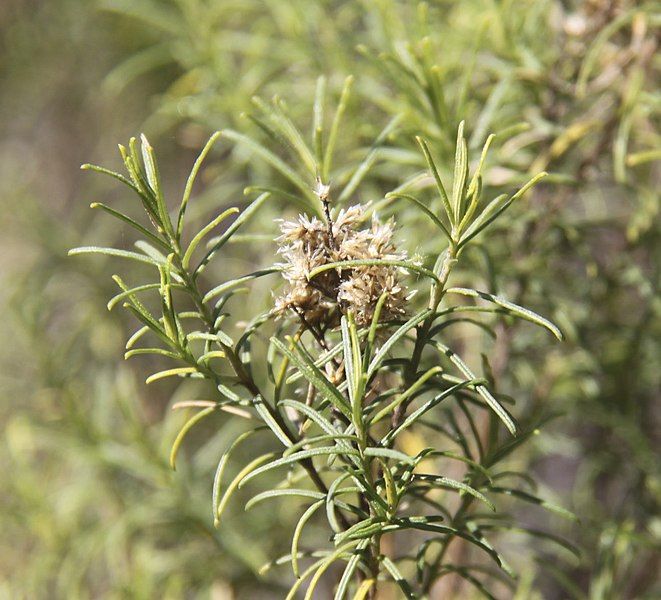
(308, 243)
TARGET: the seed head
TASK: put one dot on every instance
(306, 244)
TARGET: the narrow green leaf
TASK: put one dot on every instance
(130, 292)
(494, 209)
(218, 243)
(134, 168)
(283, 492)
(203, 335)
(146, 319)
(358, 380)
(184, 430)
(118, 176)
(136, 337)
(171, 373)
(412, 389)
(330, 502)
(314, 567)
(293, 135)
(203, 232)
(159, 351)
(234, 484)
(323, 567)
(388, 453)
(151, 252)
(434, 219)
(298, 530)
(474, 191)
(220, 469)
(324, 358)
(347, 575)
(532, 499)
(315, 377)
(480, 166)
(374, 326)
(297, 457)
(391, 488)
(439, 183)
(316, 439)
(544, 535)
(430, 452)
(360, 529)
(113, 252)
(460, 173)
(424, 524)
(154, 181)
(348, 360)
(274, 426)
(510, 307)
(334, 130)
(297, 584)
(191, 180)
(313, 415)
(446, 482)
(229, 285)
(398, 578)
(480, 389)
(491, 211)
(148, 234)
(318, 123)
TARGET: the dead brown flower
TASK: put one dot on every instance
(306, 244)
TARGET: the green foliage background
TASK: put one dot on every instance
(90, 507)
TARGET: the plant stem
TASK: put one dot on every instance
(437, 293)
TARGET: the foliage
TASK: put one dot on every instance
(568, 89)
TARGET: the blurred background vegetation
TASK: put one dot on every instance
(89, 506)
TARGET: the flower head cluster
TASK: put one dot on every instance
(309, 243)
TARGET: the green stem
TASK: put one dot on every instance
(436, 296)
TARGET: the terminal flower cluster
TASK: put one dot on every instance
(309, 243)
